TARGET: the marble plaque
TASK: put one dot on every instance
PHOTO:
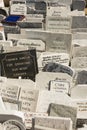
(10, 91)
(78, 5)
(81, 105)
(58, 10)
(55, 67)
(48, 58)
(39, 45)
(36, 7)
(57, 24)
(18, 7)
(19, 64)
(81, 123)
(38, 17)
(29, 99)
(52, 123)
(77, 24)
(64, 111)
(59, 42)
(59, 86)
(82, 77)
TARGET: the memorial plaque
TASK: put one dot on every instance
(78, 5)
(81, 105)
(10, 92)
(60, 86)
(19, 64)
(79, 22)
(36, 7)
(29, 99)
(36, 17)
(59, 42)
(82, 77)
(55, 67)
(45, 58)
(18, 7)
(81, 123)
(58, 10)
(52, 123)
(64, 111)
(57, 24)
(39, 45)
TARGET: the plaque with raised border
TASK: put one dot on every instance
(19, 64)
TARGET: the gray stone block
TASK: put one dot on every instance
(79, 22)
(78, 4)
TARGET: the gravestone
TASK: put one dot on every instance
(20, 63)
(63, 111)
(79, 22)
(78, 5)
(52, 123)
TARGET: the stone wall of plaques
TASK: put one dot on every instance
(43, 65)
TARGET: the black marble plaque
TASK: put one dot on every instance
(81, 122)
(19, 64)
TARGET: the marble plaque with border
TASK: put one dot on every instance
(19, 64)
